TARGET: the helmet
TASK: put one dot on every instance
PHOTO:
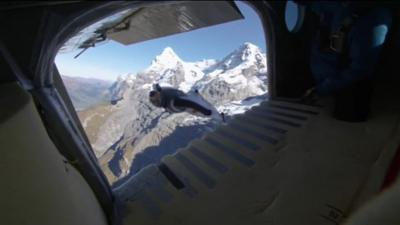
(156, 87)
(155, 98)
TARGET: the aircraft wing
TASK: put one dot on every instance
(146, 23)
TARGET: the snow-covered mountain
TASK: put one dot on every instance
(239, 75)
(130, 133)
(169, 69)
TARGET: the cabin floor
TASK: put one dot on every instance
(279, 163)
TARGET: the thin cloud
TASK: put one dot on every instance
(77, 69)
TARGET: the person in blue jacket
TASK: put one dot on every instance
(345, 52)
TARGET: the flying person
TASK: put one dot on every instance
(176, 101)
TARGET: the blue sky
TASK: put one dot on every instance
(112, 59)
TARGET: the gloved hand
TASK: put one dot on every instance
(309, 92)
(310, 96)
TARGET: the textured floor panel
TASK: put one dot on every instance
(269, 163)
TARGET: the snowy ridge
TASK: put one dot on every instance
(204, 64)
(245, 56)
(243, 68)
(166, 66)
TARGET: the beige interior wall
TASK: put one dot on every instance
(37, 185)
(383, 209)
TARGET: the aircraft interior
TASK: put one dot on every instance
(284, 162)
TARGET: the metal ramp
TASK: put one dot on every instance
(263, 166)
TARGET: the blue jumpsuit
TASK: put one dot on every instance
(334, 72)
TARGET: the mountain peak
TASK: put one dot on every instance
(168, 54)
(168, 50)
(246, 55)
(248, 51)
(249, 47)
(167, 59)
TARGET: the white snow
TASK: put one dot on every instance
(239, 107)
(204, 64)
(147, 86)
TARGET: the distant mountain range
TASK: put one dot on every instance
(87, 92)
(132, 133)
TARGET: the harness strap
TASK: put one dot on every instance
(338, 40)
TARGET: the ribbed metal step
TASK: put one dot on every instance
(248, 141)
